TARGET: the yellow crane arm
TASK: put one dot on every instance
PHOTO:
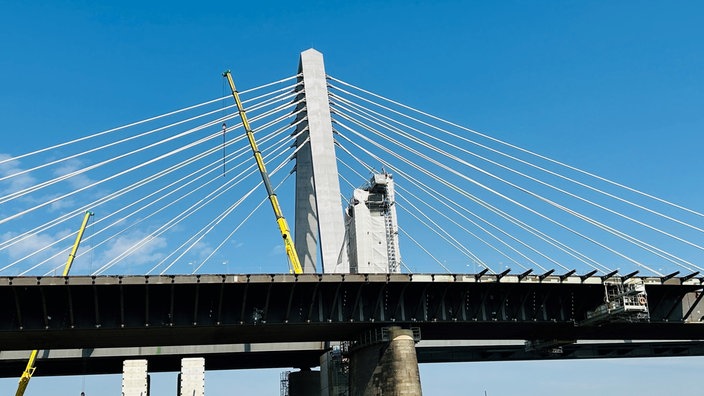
(29, 370)
(280, 220)
(79, 236)
(27, 375)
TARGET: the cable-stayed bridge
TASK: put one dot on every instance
(492, 252)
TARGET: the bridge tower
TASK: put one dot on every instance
(363, 241)
(318, 214)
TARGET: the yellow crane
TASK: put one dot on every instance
(29, 370)
(280, 220)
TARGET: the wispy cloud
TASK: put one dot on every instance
(144, 251)
(277, 250)
(201, 250)
(73, 165)
(36, 245)
(236, 244)
(13, 183)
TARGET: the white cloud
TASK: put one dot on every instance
(72, 165)
(148, 253)
(20, 182)
(61, 204)
(28, 244)
(201, 250)
(236, 244)
(277, 250)
(14, 183)
(33, 243)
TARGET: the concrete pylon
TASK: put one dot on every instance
(386, 368)
(318, 219)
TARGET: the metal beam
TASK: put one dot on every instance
(268, 308)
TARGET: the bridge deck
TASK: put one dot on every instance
(140, 311)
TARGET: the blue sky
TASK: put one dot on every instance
(611, 87)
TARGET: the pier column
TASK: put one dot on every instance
(387, 366)
(305, 382)
(191, 379)
(135, 380)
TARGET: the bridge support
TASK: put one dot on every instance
(191, 379)
(387, 365)
(135, 380)
(318, 204)
(305, 382)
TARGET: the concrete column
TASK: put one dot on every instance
(304, 383)
(135, 380)
(318, 204)
(334, 372)
(386, 368)
(191, 379)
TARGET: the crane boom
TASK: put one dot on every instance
(27, 374)
(280, 220)
(79, 236)
(29, 370)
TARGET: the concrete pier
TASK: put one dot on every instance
(388, 367)
(305, 382)
(191, 379)
(135, 379)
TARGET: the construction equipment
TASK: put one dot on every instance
(624, 301)
(27, 374)
(29, 370)
(79, 236)
(280, 220)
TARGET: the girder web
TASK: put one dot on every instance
(176, 193)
